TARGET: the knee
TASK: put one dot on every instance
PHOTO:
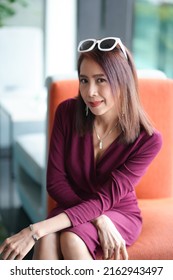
(42, 245)
(69, 241)
(73, 247)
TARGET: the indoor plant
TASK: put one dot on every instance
(8, 9)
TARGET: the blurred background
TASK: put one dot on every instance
(38, 41)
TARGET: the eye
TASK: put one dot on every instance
(101, 80)
(83, 80)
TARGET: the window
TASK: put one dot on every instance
(153, 35)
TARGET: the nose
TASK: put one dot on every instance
(92, 90)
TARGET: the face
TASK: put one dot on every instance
(95, 88)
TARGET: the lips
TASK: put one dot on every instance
(95, 103)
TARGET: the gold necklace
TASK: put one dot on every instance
(101, 139)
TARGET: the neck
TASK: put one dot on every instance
(104, 124)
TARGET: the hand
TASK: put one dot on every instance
(112, 243)
(17, 246)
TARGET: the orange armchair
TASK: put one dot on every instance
(155, 191)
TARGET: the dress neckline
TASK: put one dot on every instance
(97, 161)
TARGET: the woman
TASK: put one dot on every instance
(102, 143)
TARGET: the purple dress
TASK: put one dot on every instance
(84, 189)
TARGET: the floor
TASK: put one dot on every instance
(12, 214)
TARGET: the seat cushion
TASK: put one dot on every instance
(156, 239)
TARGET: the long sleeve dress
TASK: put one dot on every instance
(85, 189)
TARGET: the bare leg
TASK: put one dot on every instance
(73, 247)
(48, 248)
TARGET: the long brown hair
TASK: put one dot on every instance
(122, 76)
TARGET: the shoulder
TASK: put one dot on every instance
(65, 115)
(149, 142)
(66, 108)
(68, 104)
(156, 137)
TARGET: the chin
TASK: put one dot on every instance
(98, 112)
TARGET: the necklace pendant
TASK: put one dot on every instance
(100, 145)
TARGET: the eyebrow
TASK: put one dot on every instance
(94, 76)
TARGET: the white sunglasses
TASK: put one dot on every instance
(105, 44)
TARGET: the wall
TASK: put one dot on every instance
(100, 18)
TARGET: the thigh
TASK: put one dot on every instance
(88, 233)
(48, 248)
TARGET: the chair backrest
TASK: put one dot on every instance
(157, 99)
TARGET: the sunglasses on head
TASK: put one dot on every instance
(105, 44)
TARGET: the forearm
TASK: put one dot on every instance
(63, 196)
(51, 225)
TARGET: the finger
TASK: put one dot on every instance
(124, 253)
(5, 254)
(2, 247)
(12, 256)
(105, 254)
(19, 257)
(117, 253)
(110, 253)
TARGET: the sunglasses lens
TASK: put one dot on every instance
(107, 44)
(86, 45)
